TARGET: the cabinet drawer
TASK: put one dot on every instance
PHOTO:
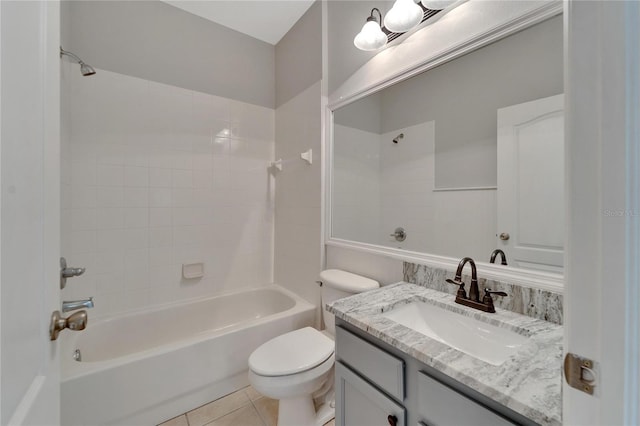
(383, 369)
(440, 405)
(359, 403)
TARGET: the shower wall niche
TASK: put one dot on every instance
(154, 176)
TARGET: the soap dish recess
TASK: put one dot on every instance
(193, 270)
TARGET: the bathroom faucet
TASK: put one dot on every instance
(72, 305)
(495, 254)
(473, 301)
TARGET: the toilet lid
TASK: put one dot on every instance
(291, 353)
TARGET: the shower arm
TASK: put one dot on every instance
(64, 52)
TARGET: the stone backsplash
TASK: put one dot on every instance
(536, 303)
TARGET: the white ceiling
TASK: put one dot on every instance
(266, 20)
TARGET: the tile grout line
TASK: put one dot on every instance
(264, 422)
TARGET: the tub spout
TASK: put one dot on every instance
(72, 305)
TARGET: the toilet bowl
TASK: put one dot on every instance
(298, 365)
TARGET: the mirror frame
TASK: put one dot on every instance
(482, 23)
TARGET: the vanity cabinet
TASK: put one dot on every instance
(369, 383)
(377, 384)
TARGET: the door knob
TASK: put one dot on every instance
(504, 236)
(76, 322)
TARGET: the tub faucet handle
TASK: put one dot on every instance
(67, 272)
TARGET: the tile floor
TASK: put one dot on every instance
(245, 407)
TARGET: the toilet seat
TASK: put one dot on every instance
(291, 353)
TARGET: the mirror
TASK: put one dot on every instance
(462, 159)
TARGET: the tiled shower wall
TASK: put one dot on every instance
(154, 176)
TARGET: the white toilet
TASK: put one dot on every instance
(294, 366)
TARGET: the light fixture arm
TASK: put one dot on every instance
(373, 18)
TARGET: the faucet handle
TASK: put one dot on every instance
(488, 300)
(461, 292)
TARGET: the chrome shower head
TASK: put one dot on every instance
(85, 69)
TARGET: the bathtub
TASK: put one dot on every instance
(148, 366)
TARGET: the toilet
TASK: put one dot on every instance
(295, 366)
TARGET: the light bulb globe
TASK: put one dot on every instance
(403, 16)
(437, 4)
(370, 37)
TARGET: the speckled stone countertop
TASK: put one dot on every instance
(529, 382)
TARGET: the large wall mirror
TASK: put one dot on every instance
(462, 159)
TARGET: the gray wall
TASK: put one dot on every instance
(345, 20)
(298, 198)
(155, 41)
(299, 56)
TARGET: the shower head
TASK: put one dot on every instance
(397, 138)
(85, 69)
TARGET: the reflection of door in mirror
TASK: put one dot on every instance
(531, 183)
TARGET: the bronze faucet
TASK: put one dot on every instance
(497, 252)
(473, 301)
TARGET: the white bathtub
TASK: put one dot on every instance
(149, 366)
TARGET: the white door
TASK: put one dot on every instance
(30, 211)
(531, 183)
(602, 268)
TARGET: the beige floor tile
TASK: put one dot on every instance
(218, 408)
(176, 421)
(245, 416)
(331, 423)
(268, 410)
(252, 393)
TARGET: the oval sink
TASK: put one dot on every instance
(486, 342)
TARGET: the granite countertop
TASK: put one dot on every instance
(529, 383)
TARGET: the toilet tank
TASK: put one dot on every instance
(337, 284)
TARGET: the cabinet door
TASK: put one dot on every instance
(358, 403)
(440, 405)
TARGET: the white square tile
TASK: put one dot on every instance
(109, 175)
(107, 196)
(109, 240)
(182, 179)
(182, 160)
(160, 197)
(110, 262)
(160, 237)
(160, 178)
(83, 241)
(136, 197)
(83, 197)
(160, 217)
(135, 238)
(110, 154)
(109, 218)
(136, 217)
(79, 220)
(136, 176)
(159, 256)
(182, 197)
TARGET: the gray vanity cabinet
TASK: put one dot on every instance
(439, 404)
(369, 383)
(359, 403)
(375, 381)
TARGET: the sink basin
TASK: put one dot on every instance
(486, 342)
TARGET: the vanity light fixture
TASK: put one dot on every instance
(371, 36)
(403, 16)
(374, 35)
